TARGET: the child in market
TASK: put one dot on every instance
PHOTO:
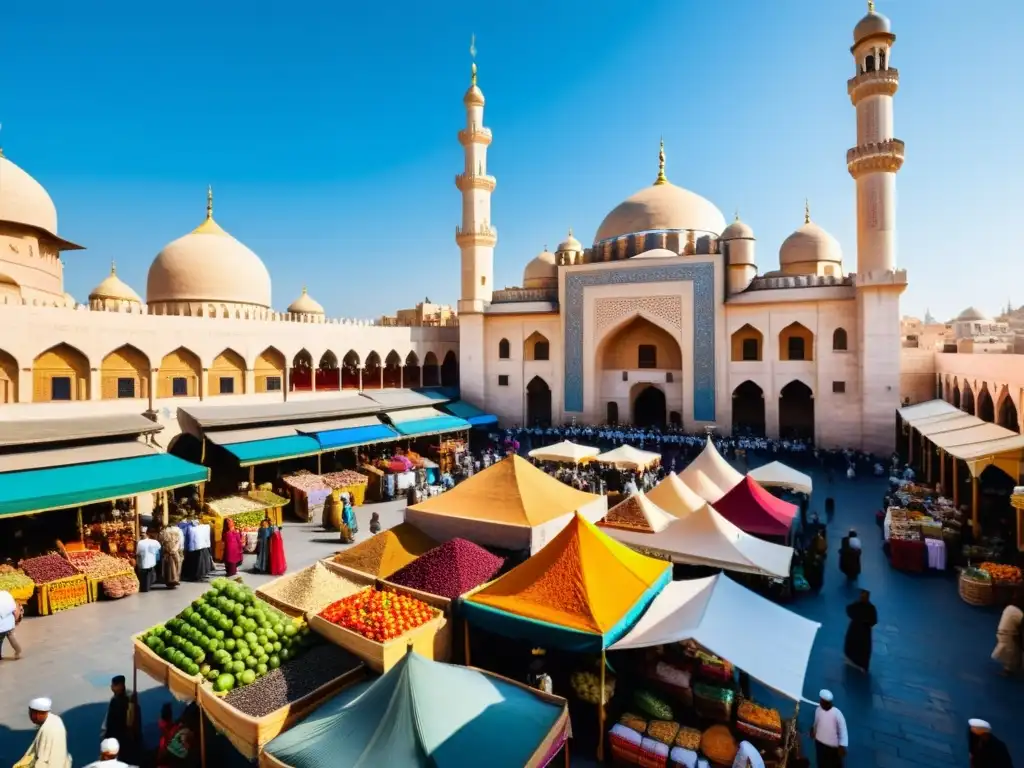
(375, 523)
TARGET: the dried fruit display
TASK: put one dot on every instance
(120, 586)
(450, 570)
(389, 550)
(16, 583)
(587, 686)
(688, 738)
(47, 568)
(663, 731)
(229, 636)
(761, 717)
(652, 705)
(379, 615)
(311, 589)
(230, 506)
(306, 481)
(1002, 574)
(97, 565)
(344, 478)
(634, 722)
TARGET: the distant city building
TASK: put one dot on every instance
(424, 314)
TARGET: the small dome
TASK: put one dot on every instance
(570, 243)
(657, 253)
(208, 265)
(971, 314)
(809, 245)
(114, 289)
(658, 208)
(738, 230)
(872, 24)
(542, 272)
(23, 200)
(305, 305)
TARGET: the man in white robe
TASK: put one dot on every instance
(49, 749)
(109, 749)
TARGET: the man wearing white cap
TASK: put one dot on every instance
(109, 749)
(747, 756)
(831, 738)
(49, 749)
(986, 750)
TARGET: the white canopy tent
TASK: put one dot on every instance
(707, 538)
(701, 484)
(628, 457)
(638, 513)
(566, 452)
(778, 475)
(675, 497)
(719, 471)
(710, 611)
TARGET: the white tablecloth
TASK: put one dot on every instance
(936, 553)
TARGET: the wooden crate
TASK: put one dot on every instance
(183, 687)
(250, 734)
(431, 640)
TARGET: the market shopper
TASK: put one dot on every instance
(986, 750)
(233, 547)
(172, 547)
(1008, 637)
(375, 523)
(146, 553)
(863, 617)
(747, 756)
(109, 756)
(263, 546)
(849, 555)
(49, 748)
(831, 739)
(10, 615)
(122, 719)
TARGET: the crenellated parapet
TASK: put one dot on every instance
(881, 82)
(519, 295)
(475, 135)
(876, 157)
(468, 181)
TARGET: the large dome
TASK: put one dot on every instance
(661, 207)
(208, 265)
(23, 200)
(542, 271)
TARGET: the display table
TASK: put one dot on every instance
(936, 551)
(908, 556)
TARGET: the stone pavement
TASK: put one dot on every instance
(931, 669)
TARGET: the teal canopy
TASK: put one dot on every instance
(273, 449)
(432, 426)
(37, 490)
(470, 413)
(423, 713)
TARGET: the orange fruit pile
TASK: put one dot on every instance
(378, 615)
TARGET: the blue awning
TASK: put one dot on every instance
(470, 413)
(432, 426)
(348, 438)
(273, 449)
(38, 490)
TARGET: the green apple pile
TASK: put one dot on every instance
(229, 636)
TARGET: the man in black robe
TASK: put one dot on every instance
(849, 555)
(121, 719)
(986, 750)
(863, 617)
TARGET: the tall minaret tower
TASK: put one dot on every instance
(476, 237)
(874, 163)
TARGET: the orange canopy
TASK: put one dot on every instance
(582, 580)
(511, 492)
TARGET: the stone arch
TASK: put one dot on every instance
(840, 340)
(269, 370)
(372, 371)
(392, 373)
(60, 373)
(747, 344)
(179, 374)
(124, 374)
(300, 377)
(431, 371)
(985, 407)
(450, 370)
(350, 370)
(8, 378)
(748, 408)
(636, 342)
(957, 396)
(411, 372)
(538, 402)
(537, 347)
(967, 402)
(796, 411)
(327, 373)
(1006, 412)
(649, 405)
(796, 343)
(504, 350)
(227, 374)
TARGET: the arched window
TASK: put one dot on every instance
(647, 356)
(504, 351)
(795, 348)
(869, 63)
(839, 340)
(541, 351)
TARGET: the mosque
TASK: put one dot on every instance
(664, 318)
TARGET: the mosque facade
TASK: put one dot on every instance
(666, 317)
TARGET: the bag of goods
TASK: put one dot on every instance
(672, 675)
(229, 637)
(378, 615)
(714, 669)
(123, 585)
(663, 730)
(759, 717)
(1001, 574)
(679, 757)
(625, 743)
(47, 568)
(16, 583)
(653, 754)
(713, 702)
(450, 570)
(688, 738)
(719, 745)
(587, 684)
(634, 722)
(652, 705)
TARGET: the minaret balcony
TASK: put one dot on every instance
(881, 82)
(482, 235)
(877, 157)
(475, 136)
(466, 181)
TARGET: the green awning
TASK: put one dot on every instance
(39, 490)
(273, 449)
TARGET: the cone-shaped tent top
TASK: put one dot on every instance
(628, 457)
(566, 452)
(425, 713)
(754, 510)
(698, 482)
(707, 538)
(638, 513)
(778, 475)
(581, 592)
(675, 497)
(719, 471)
(389, 550)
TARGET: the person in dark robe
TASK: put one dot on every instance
(849, 555)
(814, 570)
(263, 547)
(863, 617)
(986, 750)
(122, 721)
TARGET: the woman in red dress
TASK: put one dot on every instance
(233, 551)
(278, 564)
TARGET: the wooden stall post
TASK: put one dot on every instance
(942, 470)
(956, 487)
(567, 760)
(465, 640)
(202, 452)
(81, 525)
(252, 477)
(202, 496)
(975, 522)
(928, 461)
(165, 515)
(600, 712)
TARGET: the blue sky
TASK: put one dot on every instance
(328, 131)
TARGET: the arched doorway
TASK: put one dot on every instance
(967, 399)
(8, 379)
(227, 374)
(450, 373)
(372, 372)
(392, 371)
(60, 373)
(411, 373)
(612, 416)
(538, 403)
(350, 370)
(301, 377)
(1008, 415)
(328, 376)
(179, 374)
(796, 412)
(748, 410)
(649, 407)
(269, 370)
(956, 396)
(986, 408)
(124, 374)
(431, 370)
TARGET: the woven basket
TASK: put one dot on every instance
(975, 592)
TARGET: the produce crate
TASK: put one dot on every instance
(61, 595)
(183, 687)
(250, 734)
(443, 604)
(356, 579)
(975, 591)
(431, 640)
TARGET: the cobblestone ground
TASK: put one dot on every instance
(931, 669)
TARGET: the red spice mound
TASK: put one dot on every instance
(450, 570)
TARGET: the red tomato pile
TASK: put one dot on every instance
(378, 616)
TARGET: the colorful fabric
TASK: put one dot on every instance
(752, 509)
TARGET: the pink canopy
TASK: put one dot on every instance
(751, 508)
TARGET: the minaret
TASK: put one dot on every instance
(476, 237)
(873, 164)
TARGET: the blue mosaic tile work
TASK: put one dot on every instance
(702, 275)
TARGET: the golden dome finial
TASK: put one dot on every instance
(662, 179)
(807, 211)
(472, 54)
(737, 215)
(113, 267)
(209, 202)
(871, 6)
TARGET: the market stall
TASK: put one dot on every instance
(710, 463)
(924, 530)
(565, 452)
(675, 497)
(637, 513)
(347, 481)
(706, 538)
(308, 493)
(754, 510)
(628, 457)
(17, 584)
(248, 510)
(106, 576)
(449, 570)
(777, 475)
(381, 555)
(428, 714)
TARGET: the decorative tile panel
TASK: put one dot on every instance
(702, 275)
(667, 308)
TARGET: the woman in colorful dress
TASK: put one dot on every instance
(278, 563)
(233, 553)
(263, 547)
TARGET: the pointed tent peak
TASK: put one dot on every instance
(565, 451)
(779, 475)
(626, 456)
(710, 463)
(209, 201)
(638, 513)
(754, 510)
(698, 482)
(675, 497)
